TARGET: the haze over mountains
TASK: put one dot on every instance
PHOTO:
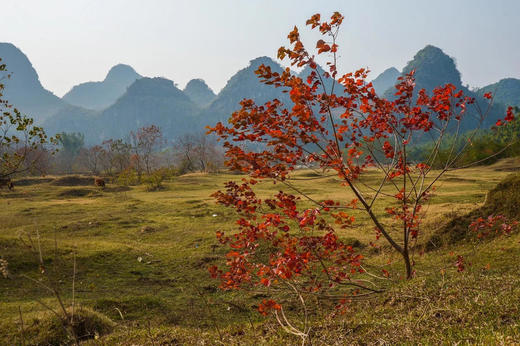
(125, 101)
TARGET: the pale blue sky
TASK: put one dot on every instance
(73, 41)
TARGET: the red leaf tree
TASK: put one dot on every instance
(335, 123)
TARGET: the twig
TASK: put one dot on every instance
(149, 330)
(21, 326)
(73, 289)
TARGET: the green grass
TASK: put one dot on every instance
(142, 261)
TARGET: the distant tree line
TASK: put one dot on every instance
(143, 152)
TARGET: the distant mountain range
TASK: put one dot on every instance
(148, 101)
(125, 101)
(159, 102)
(100, 95)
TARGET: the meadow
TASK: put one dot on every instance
(141, 259)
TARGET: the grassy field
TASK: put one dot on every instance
(141, 260)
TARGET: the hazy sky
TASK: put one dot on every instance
(73, 41)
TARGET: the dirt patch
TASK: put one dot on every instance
(31, 181)
(73, 180)
(70, 193)
(17, 194)
(76, 200)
